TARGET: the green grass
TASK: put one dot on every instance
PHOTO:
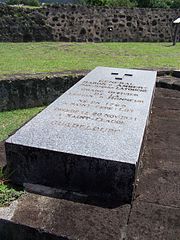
(57, 56)
(12, 120)
(9, 122)
(7, 193)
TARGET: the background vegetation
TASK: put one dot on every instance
(35, 3)
(158, 3)
(47, 57)
(135, 3)
(112, 3)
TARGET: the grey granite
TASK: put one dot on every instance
(90, 138)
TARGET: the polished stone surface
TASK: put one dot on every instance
(89, 139)
(102, 116)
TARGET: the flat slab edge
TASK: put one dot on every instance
(110, 180)
(98, 129)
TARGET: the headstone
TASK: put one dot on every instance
(89, 139)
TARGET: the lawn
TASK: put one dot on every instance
(58, 56)
(9, 122)
(12, 120)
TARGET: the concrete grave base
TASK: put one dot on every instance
(43, 218)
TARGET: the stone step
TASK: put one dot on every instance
(39, 217)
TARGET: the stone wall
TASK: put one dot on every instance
(25, 91)
(81, 23)
(23, 25)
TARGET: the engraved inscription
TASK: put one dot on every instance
(85, 127)
(99, 117)
(101, 102)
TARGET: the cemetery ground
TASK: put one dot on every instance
(12, 120)
(9, 122)
(154, 212)
(47, 57)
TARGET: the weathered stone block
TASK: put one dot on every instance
(89, 139)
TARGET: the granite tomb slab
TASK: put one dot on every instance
(89, 139)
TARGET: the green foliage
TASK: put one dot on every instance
(111, 3)
(144, 3)
(35, 3)
(13, 2)
(159, 3)
(10, 121)
(123, 3)
(175, 4)
(134, 3)
(24, 2)
(7, 193)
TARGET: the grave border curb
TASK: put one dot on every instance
(34, 90)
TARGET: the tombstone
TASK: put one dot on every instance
(176, 23)
(89, 139)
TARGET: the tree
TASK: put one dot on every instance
(112, 3)
(156, 3)
(175, 4)
(25, 2)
